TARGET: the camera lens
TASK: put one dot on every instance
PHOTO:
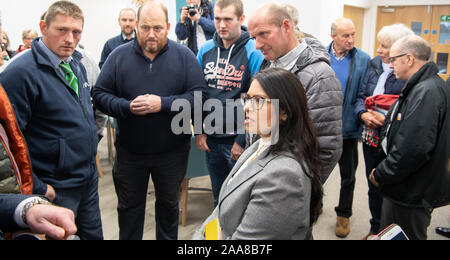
(192, 11)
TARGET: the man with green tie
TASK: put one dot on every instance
(50, 95)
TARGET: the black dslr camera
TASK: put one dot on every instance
(192, 9)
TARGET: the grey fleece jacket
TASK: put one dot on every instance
(325, 99)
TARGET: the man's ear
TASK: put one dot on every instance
(242, 19)
(43, 27)
(287, 26)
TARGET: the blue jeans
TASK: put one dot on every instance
(219, 163)
(84, 202)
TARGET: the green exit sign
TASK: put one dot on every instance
(445, 18)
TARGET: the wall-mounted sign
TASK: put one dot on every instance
(445, 18)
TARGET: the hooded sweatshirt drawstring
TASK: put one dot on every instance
(226, 64)
(217, 63)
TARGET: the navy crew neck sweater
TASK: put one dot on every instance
(127, 74)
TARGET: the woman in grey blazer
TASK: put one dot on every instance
(274, 190)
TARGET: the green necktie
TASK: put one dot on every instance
(70, 77)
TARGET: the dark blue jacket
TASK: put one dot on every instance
(128, 73)
(8, 205)
(358, 68)
(110, 45)
(393, 86)
(243, 60)
(58, 126)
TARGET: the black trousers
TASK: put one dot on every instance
(414, 221)
(347, 167)
(131, 175)
(373, 157)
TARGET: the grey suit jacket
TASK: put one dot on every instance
(269, 200)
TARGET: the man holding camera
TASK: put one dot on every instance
(196, 24)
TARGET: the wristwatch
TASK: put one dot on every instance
(29, 204)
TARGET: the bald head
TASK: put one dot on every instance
(151, 5)
(417, 46)
(152, 28)
(341, 23)
(127, 10)
(272, 28)
(408, 55)
(343, 34)
(274, 13)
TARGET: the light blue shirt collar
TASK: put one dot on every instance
(53, 58)
(132, 37)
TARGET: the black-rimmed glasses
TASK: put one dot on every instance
(392, 59)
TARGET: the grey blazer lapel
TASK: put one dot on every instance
(254, 168)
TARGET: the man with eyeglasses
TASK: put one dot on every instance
(138, 85)
(413, 177)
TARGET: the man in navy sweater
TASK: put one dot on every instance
(138, 85)
(127, 22)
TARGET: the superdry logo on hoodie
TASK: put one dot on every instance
(225, 79)
(228, 71)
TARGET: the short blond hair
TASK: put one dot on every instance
(29, 32)
(238, 5)
(64, 8)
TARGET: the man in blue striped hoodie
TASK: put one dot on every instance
(229, 61)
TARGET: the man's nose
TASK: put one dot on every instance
(222, 24)
(69, 37)
(259, 44)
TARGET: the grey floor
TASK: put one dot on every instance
(200, 206)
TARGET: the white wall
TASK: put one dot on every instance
(101, 17)
(310, 14)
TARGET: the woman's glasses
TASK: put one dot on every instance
(256, 102)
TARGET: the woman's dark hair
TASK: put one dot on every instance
(297, 134)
